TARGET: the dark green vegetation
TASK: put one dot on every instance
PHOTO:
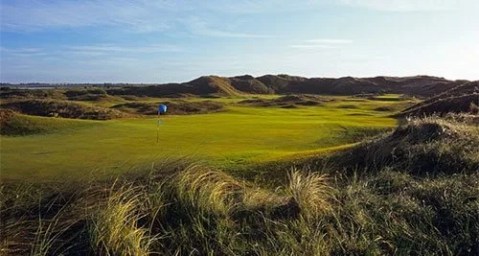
(280, 175)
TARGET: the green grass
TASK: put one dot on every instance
(201, 211)
(238, 136)
(19, 125)
(411, 191)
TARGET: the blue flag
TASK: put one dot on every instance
(162, 108)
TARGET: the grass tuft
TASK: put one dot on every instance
(312, 192)
(115, 229)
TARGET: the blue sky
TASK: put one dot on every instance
(175, 41)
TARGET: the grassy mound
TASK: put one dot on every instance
(14, 124)
(16, 94)
(57, 108)
(89, 94)
(212, 85)
(443, 106)
(288, 101)
(460, 99)
(420, 146)
(205, 85)
(174, 108)
(249, 84)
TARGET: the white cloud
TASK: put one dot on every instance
(110, 48)
(21, 52)
(314, 46)
(200, 27)
(322, 43)
(409, 5)
(77, 53)
(329, 41)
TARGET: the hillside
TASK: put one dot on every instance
(205, 85)
(419, 86)
(460, 99)
(423, 147)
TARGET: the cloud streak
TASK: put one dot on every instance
(21, 52)
(106, 50)
(200, 27)
(322, 43)
(151, 16)
(407, 5)
(110, 48)
(130, 16)
(24, 15)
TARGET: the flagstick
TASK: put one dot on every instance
(158, 128)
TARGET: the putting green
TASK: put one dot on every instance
(239, 135)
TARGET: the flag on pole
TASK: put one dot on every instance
(161, 110)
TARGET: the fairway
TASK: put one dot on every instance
(240, 135)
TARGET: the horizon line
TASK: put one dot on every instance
(181, 82)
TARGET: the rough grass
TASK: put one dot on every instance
(174, 108)
(58, 108)
(463, 98)
(288, 101)
(18, 94)
(114, 227)
(442, 106)
(424, 146)
(385, 213)
(15, 124)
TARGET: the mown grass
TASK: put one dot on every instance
(235, 137)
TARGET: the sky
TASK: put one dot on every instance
(144, 41)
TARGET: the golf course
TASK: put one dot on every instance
(239, 128)
(237, 135)
(273, 165)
